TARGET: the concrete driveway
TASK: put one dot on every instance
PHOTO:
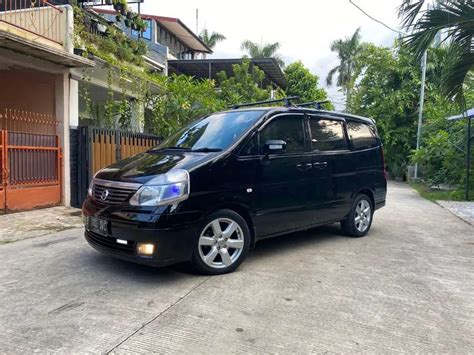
(408, 286)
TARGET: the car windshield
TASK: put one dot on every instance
(213, 133)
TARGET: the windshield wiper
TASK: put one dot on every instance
(173, 148)
(207, 150)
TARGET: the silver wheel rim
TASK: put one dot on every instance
(363, 215)
(221, 243)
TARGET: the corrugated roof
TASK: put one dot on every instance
(208, 68)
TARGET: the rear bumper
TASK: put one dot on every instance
(173, 241)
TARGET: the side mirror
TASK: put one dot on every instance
(274, 146)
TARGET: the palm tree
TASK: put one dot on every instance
(267, 50)
(211, 39)
(347, 51)
(456, 20)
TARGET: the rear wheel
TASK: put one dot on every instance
(223, 243)
(360, 217)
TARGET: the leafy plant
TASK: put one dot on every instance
(211, 39)
(347, 51)
(245, 85)
(301, 82)
(456, 20)
(268, 50)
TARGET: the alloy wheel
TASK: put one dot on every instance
(221, 243)
(363, 215)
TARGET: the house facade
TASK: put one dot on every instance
(38, 103)
(43, 108)
(167, 38)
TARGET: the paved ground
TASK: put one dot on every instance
(26, 225)
(408, 286)
(464, 210)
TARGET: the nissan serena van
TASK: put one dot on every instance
(212, 190)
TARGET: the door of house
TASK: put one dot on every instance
(30, 171)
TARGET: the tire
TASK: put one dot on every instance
(360, 217)
(212, 254)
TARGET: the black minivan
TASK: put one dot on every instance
(209, 192)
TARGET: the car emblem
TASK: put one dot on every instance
(104, 195)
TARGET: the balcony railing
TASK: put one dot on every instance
(34, 19)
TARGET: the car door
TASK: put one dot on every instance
(283, 178)
(333, 169)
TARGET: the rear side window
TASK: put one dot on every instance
(287, 128)
(327, 135)
(362, 135)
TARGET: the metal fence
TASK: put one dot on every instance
(94, 148)
(28, 122)
(30, 167)
(37, 17)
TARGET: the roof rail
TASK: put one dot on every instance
(286, 101)
(316, 104)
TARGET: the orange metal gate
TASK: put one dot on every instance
(31, 171)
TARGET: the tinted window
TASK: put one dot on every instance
(287, 128)
(362, 135)
(250, 148)
(217, 131)
(327, 135)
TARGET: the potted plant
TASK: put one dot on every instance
(118, 18)
(118, 6)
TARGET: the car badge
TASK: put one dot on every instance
(104, 195)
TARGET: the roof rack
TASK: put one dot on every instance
(315, 104)
(286, 101)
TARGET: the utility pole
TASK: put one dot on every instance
(197, 21)
(420, 111)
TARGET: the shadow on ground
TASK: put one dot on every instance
(281, 245)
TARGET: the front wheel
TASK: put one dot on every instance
(360, 217)
(223, 243)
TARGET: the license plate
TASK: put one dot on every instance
(97, 225)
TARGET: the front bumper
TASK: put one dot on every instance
(174, 235)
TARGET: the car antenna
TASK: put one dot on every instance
(286, 102)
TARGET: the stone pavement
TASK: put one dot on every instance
(26, 225)
(463, 210)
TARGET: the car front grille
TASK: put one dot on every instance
(109, 193)
(110, 243)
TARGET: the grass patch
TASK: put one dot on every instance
(434, 195)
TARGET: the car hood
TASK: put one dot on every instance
(145, 166)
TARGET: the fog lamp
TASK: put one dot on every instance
(145, 249)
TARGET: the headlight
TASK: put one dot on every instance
(165, 189)
(91, 187)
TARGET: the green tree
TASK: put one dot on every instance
(211, 39)
(387, 90)
(268, 50)
(245, 85)
(456, 21)
(182, 99)
(347, 51)
(301, 82)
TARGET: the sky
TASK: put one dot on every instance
(305, 29)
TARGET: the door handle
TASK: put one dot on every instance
(321, 165)
(304, 166)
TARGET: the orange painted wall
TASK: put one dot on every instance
(27, 90)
